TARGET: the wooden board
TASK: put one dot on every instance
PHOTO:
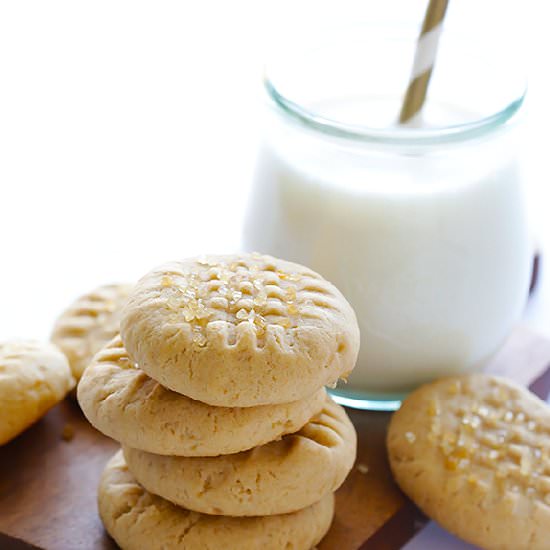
(48, 485)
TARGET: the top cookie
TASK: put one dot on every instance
(240, 330)
(473, 452)
(88, 324)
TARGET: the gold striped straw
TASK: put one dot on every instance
(424, 59)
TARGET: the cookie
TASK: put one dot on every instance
(124, 403)
(138, 520)
(88, 324)
(240, 331)
(473, 453)
(34, 377)
(277, 478)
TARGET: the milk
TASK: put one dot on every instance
(430, 246)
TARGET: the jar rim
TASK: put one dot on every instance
(396, 134)
(453, 133)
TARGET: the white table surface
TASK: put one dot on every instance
(128, 133)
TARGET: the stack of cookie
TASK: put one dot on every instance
(215, 389)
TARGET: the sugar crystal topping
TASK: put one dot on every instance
(492, 438)
(251, 290)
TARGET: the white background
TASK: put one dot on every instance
(128, 131)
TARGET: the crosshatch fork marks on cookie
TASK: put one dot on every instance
(253, 292)
(495, 439)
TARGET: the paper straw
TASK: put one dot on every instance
(424, 60)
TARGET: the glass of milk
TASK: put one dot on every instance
(422, 227)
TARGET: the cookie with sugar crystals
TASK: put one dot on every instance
(88, 324)
(277, 478)
(240, 330)
(34, 376)
(138, 520)
(473, 453)
(124, 403)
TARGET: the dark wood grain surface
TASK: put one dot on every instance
(48, 485)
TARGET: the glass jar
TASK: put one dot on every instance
(422, 226)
